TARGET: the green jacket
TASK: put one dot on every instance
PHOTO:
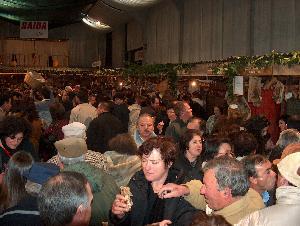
(104, 190)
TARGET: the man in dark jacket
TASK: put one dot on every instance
(103, 128)
(121, 111)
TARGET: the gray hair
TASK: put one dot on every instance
(229, 173)
(288, 136)
(69, 161)
(60, 197)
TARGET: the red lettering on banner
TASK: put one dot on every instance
(44, 26)
(34, 25)
(29, 25)
(23, 26)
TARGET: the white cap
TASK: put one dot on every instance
(74, 129)
(289, 167)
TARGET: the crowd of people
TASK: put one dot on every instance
(66, 154)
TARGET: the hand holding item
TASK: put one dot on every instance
(120, 207)
(122, 203)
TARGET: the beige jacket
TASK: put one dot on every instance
(83, 113)
(122, 167)
(233, 213)
(286, 212)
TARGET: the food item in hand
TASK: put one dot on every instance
(125, 191)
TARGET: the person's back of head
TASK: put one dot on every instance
(201, 219)
(244, 143)
(57, 111)
(82, 95)
(293, 122)
(288, 136)
(4, 97)
(45, 92)
(105, 106)
(123, 144)
(13, 185)
(65, 199)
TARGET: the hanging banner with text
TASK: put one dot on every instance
(34, 29)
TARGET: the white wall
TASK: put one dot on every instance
(85, 44)
(217, 29)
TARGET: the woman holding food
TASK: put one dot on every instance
(145, 207)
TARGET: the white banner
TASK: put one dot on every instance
(34, 29)
(238, 85)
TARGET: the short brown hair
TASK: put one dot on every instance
(166, 146)
(201, 219)
(178, 108)
(123, 143)
(187, 137)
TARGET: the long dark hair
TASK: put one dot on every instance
(13, 185)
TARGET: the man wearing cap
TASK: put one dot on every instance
(287, 208)
(71, 153)
(26, 211)
(77, 129)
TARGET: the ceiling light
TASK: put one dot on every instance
(95, 23)
(136, 2)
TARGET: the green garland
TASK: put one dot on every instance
(235, 65)
(168, 71)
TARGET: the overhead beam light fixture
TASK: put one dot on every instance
(95, 23)
(138, 3)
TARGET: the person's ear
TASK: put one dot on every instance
(170, 164)
(227, 192)
(80, 211)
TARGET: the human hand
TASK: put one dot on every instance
(171, 190)
(161, 223)
(120, 207)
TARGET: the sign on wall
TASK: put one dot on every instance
(34, 29)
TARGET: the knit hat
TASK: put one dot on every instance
(40, 172)
(74, 129)
(289, 168)
(71, 147)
